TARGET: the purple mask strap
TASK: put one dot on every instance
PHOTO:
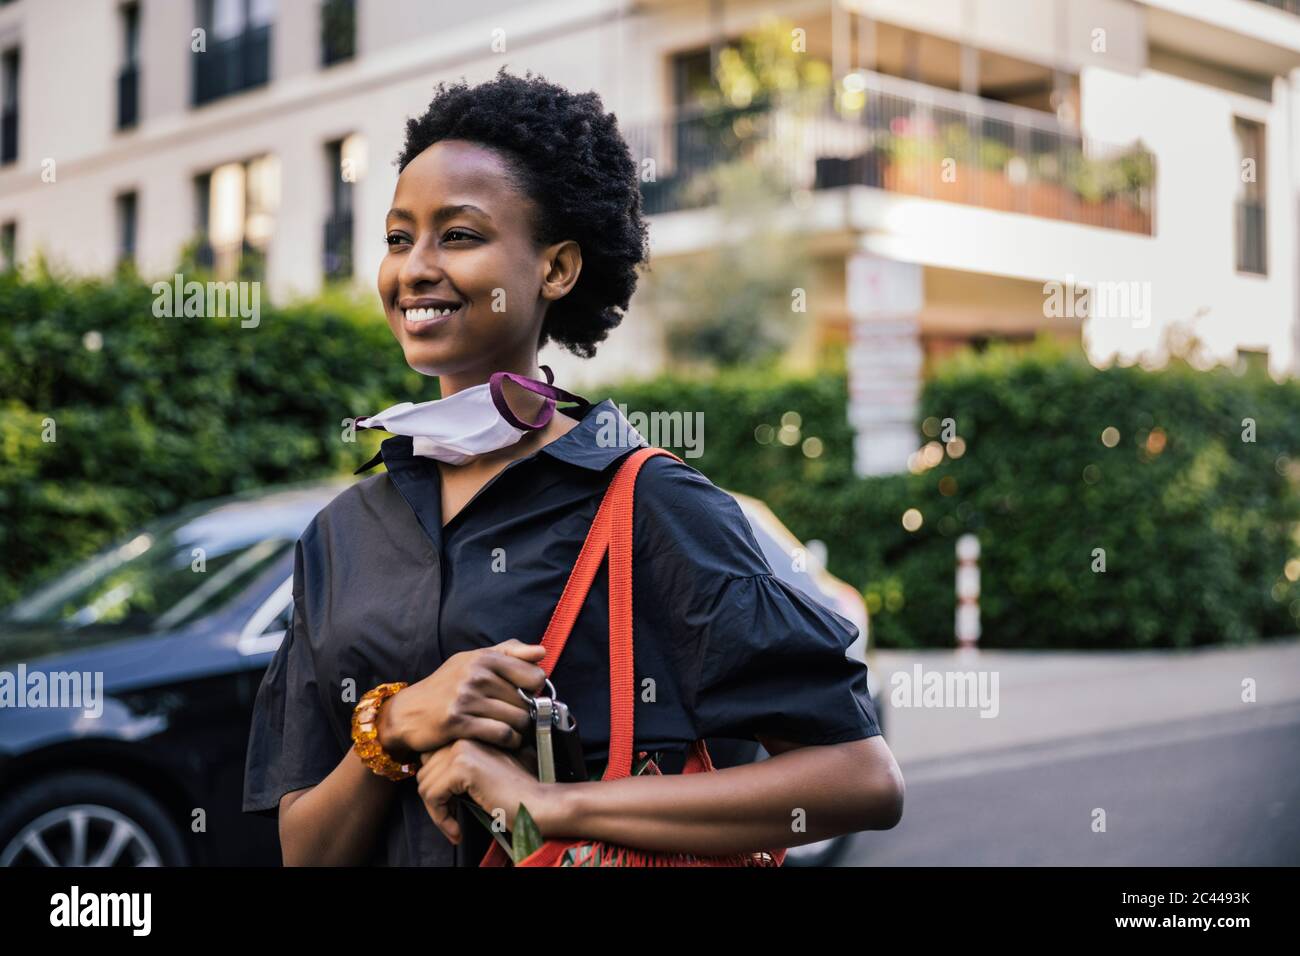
(551, 392)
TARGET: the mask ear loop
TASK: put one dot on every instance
(550, 391)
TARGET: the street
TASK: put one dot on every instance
(1217, 789)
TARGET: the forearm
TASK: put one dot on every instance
(797, 797)
(336, 822)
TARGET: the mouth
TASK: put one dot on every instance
(428, 315)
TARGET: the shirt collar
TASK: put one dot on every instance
(602, 436)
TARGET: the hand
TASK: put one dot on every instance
(473, 695)
(491, 777)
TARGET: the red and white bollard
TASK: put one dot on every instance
(968, 593)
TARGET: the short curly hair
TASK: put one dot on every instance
(569, 157)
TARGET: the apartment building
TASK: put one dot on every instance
(979, 169)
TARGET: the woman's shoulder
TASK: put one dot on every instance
(363, 509)
(680, 513)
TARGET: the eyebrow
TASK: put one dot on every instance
(443, 213)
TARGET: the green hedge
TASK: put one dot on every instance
(167, 410)
(1196, 536)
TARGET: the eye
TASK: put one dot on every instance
(452, 233)
(395, 238)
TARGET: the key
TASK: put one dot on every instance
(544, 714)
(555, 739)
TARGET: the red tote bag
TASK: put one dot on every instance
(611, 533)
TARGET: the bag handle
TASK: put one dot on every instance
(611, 533)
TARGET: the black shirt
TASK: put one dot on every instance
(382, 592)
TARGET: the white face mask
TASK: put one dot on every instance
(471, 422)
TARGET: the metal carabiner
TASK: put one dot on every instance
(532, 701)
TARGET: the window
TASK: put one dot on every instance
(128, 79)
(265, 630)
(238, 47)
(9, 246)
(9, 101)
(338, 31)
(126, 226)
(1252, 250)
(236, 204)
(146, 581)
(345, 161)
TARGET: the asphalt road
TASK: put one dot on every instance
(1220, 790)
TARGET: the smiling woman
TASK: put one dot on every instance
(421, 594)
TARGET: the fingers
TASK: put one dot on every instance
(513, 714)
(491, 684)
(436, 786)
(493, 732)
(520, 673)
(517, 648)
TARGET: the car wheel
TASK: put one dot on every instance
(87, 819)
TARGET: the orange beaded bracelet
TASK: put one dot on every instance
(365, 734)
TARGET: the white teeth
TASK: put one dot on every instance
(425, 315)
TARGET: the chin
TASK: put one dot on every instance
(420, 361)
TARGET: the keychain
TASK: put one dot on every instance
(555, 733)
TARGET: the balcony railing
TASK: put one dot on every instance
(912, 139)
(338, 248)
(128, 97)
(229, 66)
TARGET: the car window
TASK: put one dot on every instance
(171, 572)
(281, 622)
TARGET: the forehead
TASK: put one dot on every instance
(455, 166)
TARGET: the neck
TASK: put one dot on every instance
(525, 404)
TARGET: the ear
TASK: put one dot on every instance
(563, 265)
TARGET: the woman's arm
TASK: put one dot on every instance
(797, 796)
(474, 694)
(336, 822)
(800, 795)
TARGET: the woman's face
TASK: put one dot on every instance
(459, 239)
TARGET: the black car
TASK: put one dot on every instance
(157, 667)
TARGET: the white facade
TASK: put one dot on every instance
(1173, 73)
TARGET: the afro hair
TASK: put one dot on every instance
(570, 159)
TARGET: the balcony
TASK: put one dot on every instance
(128, 97)
(910, 139)
(230, 66)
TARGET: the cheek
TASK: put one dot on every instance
(387, 281)
(494, 272)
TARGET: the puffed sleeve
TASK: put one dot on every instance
(753, 656)
(290, 745)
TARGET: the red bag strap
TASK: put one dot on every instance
(611, 533)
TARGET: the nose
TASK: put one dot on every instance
(421, 265)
